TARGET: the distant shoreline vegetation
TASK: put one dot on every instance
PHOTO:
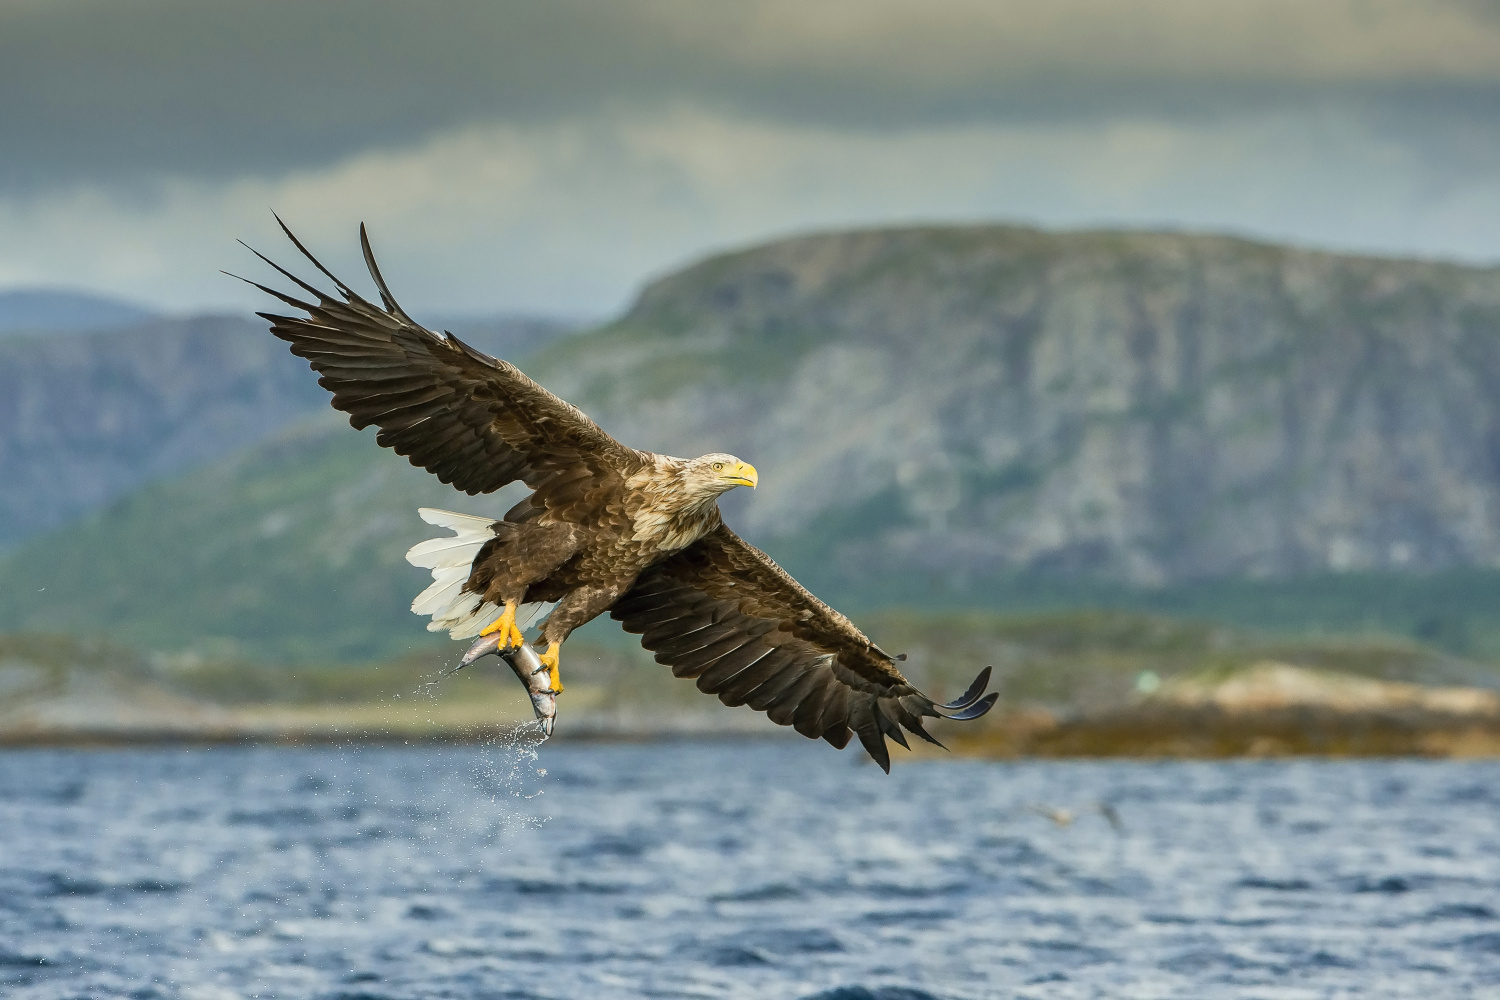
(1072, 683)
(1455, 610)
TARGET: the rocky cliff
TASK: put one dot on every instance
(1143, 407)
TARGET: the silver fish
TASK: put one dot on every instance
(529, 667)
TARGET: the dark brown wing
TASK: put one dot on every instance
(471, 420)
(723, 612)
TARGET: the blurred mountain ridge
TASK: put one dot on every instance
(86, 418)
(65, 310)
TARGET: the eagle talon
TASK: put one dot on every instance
(549, 660)
(505, 625)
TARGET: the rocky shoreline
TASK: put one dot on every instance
(1268, 710)
(148, 715)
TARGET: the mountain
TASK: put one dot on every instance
(1148, 408)
(86, 418)
(43, 310)
(942, 417)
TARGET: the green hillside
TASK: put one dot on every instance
(292, 550)
(1082, 659)
(1063, 661)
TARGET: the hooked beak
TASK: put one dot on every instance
(743, 474)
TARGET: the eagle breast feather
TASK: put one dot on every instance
(665, 511)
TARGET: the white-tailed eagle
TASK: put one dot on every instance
(605, 528)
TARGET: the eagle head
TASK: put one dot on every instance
(718, 473)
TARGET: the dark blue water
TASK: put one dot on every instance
(738, 870)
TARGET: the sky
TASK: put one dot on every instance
(549, 157)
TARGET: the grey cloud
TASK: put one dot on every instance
(106, 92)
(106, 89)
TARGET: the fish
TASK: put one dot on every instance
(528, 666)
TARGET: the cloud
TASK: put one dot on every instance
(965, 42)
(96, 91)
(549, 155)
(569, 215)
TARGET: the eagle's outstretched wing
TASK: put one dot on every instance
(721, 611)
(472, 420)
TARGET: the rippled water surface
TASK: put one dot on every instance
(765, 870)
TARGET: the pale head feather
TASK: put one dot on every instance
(709, 475)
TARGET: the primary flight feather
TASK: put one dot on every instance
(605, 528)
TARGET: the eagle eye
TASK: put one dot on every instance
(718, 466)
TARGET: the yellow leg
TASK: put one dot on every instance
(550, 658)
(506, 626)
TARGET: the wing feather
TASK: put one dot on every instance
(769, 669)
(725, 668)
(473, 421)
(723, 612)
(782, 707)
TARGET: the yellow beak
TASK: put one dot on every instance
(743, 474)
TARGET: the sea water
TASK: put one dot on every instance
(739, 870)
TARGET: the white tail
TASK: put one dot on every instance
(451, 558)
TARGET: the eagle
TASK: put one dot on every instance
(606, 527)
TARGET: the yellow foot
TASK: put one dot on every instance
(549, 658)
(506, 626)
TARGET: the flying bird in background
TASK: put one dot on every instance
(605, 528)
